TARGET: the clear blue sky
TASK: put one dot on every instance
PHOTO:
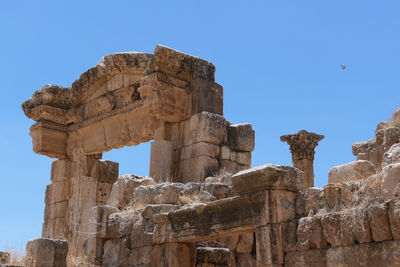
(278, 61)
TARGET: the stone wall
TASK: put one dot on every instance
(127, 99)
(202, 205)
(353, 220)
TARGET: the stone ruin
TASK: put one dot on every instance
(202, 205)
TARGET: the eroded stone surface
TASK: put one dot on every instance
(44, 252)
(204, 199)
(359, 169)
(268, 177)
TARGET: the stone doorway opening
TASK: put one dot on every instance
(131, 159)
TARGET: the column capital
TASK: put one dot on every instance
(302, 144)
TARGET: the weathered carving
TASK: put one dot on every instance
(302, 145)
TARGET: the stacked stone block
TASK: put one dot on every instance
(202, 146)
(44, 252)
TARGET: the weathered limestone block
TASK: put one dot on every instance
(98, 106)
(179, 65)
(379, 222)
(141, 126)
(246, 260)
(163, 100)
(245, 243)
(100, 216)
(390, 179)
(93, 138)
(348, 193)
(221, 256)
(243, 158)
(62, 169)
(58, 191)
(161, 161)
(268, 177)
(231, 166)
(270, 248)
(314, 257)
(206, 96)
(331, 228)
(391, 136)
(54, 228)
(205, 127)
(314, 200)
(173, 254)
(151, 210)
(49, 139)
(226, 216)
(165, 193)
(197, 169)
(289, 235)
(53, 114)
(391, 156)
(225, 153)
(120, 223)
(347, 228)
(220, 191)
(394, 217)
(106, 171)
(353, 171)
(116, 131)
(355, 223)
(52, 95)
(140, 255)
(103, 192)
(373, 150)
(332, 194)
(395, 120)
(370, 255)
(142, 234)
(122, 189)
(198, 150)
(43, 252)
(4, 257)
(310, 231)
(241, 137)
(55, 210)
(229, 242)
(116, 252)
(195, 192)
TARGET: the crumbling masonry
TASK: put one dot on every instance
(202, 205)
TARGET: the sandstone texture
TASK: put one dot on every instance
(43, 252)
(202, 204)
(4, 257)
(359, 169)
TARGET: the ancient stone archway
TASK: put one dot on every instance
(125, 100)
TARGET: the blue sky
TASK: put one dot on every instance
(278, 61)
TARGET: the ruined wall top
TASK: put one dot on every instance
(130, 93)
(176, 67)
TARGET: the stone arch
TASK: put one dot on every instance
(127, 99)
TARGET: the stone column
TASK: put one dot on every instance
(302, 145)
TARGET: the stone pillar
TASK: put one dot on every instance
(44, 252)
(302, 145)
(79, 184)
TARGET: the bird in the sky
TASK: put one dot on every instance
(343, 67)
